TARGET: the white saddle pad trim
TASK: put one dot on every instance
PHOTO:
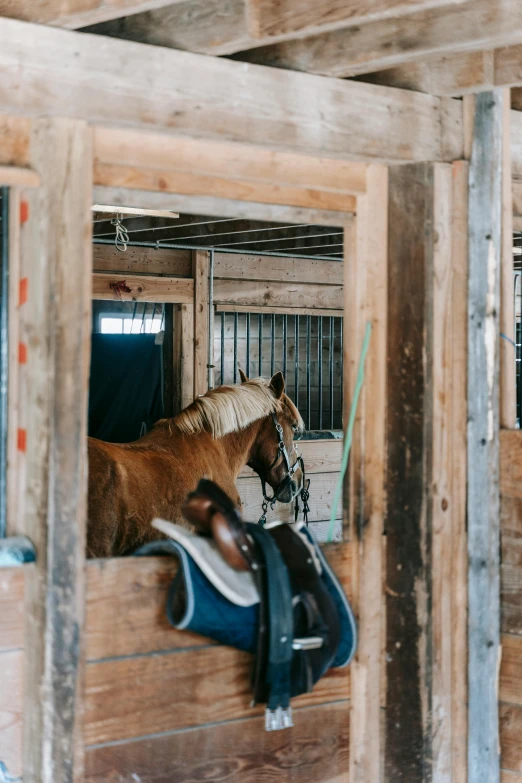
(237, 586)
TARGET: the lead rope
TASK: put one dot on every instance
(349, 431)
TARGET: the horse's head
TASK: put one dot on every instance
(274, 455)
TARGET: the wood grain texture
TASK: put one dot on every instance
(14, 487)
(15, 134)
(319, 457)
(408, 472)
(11, 710)
(75, 13)
(142, 260)
(508, 385)
(224, 160)
(509, 777)
(511, 463)
(11, 609)
(365, 300)
(194, 184)
(386, 43)
(511, 569)
(511, 670)
(183, 356)
(259, 293)
(18, 177)
(485, 222)
(241, 266)
(511, 740)
(516, 143)
(200, 272)
(215, 99)
(178, 290)
(179, 690)
(56, 258)
(314, 751)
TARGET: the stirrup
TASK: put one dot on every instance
(278, 719)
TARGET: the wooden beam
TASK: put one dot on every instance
(235, 308)
(508, 385)
(485, 224)
(468, 26)
(142, 260)
(55, 318)
(214, 27)
(75, 13)
(229, 101)
(14, 486)
(15, 176)
(365, 300)
(183, 356)
(259, 294)
(242, 266)
(144, 288)
(225, 160)
(200, 271)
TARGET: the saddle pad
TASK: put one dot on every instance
(237, 586)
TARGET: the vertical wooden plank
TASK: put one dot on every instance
(440, 280)
(14, 341)
(56, 259)
(200, 270)
(485, 221)
(508, 405)
(408, 753)
(183, 356)
(365, 300)
(458, 448)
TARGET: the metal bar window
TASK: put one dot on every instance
(308, 351)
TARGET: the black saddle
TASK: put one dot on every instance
(301, 624)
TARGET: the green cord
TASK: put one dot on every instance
(349, 430)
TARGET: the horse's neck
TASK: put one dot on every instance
(238, 446)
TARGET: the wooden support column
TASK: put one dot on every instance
(200, 270)
(55, 307)
(365, 301)
(508, 386)
(183, 356)
(485, 243)
(425, 513)
(12, 487)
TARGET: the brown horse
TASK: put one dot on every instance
(214, 437)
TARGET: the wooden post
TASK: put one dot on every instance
(55, 307)
(13, 508)
(485, 242)
(183, 356)
(508, 404)
(425, 519)
(200, 270)
(365, 300)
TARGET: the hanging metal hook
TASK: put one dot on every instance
(121, 239)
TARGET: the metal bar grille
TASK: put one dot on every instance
(306, 348)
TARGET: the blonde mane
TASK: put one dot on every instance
(228, 409)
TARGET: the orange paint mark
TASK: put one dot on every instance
(22, 353)
(22, 440)
(24, 212)
(24, 290)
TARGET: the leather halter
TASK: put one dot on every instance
(303, 491)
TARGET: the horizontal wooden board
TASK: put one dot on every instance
(511, 669)
(511, 738)
(231, 161)
(215, 207)
(142, 260)
(314, 751)
(77, 14)
(322, 489)
(11, 608)
(216, 98)
(511, 463)
(193, 184)
(14, 132)
(510, 777)
(233, 308)
(11, 710)
(19, 177)
(287, 270)
(129, 697)
(511, 574)
(320, 456)
(144, 289)
(243, 292)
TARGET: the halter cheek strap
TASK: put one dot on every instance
(291, 469)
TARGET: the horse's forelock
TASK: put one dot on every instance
(228, 409)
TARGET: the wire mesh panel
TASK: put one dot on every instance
(307, 349)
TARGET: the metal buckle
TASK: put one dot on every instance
(278, 719)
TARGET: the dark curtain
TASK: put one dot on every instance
(125, 391)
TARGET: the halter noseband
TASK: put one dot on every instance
(290, 470)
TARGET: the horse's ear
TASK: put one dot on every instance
(277, 384)
(242, 375)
